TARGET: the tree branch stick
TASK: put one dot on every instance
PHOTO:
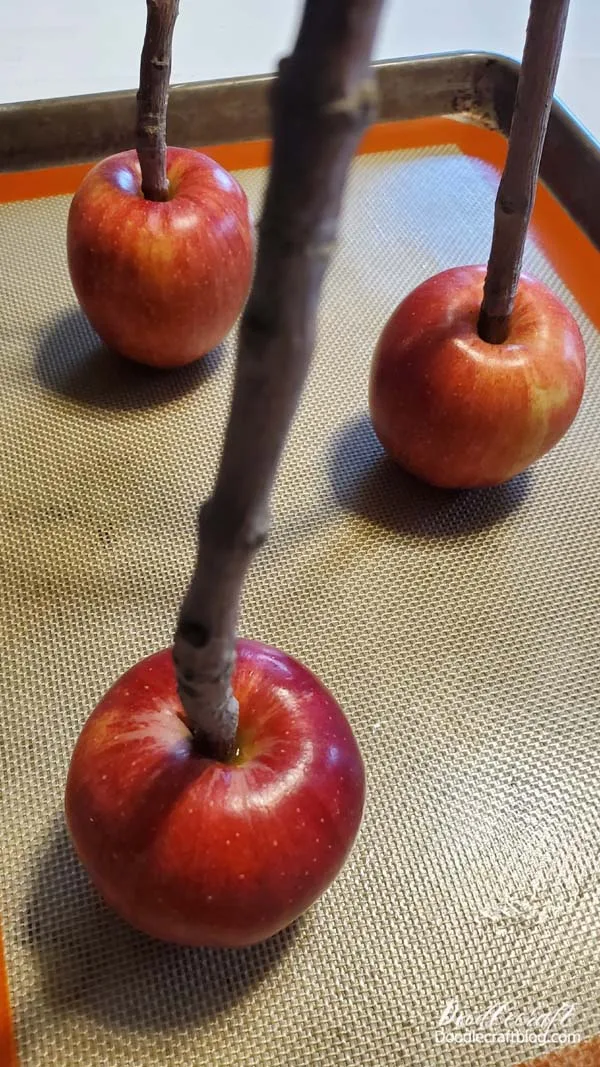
(516, 193)
(323, 98)
(152, 97)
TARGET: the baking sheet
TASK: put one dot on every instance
(459, 631)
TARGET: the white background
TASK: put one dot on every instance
(63, 47)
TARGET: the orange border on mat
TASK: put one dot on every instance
(586, 1054)
(8, 1048)
(571, 253)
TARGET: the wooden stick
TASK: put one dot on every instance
(323, 98)
(516, 193)
(152, 97)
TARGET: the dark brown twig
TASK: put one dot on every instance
(323, 99)
(152, 97)
(516, 193)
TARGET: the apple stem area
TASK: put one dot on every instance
(152, 97)
(323, 98)
(516, 193)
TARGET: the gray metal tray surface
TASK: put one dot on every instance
(458, 630)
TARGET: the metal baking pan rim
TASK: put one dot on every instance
(476, 86)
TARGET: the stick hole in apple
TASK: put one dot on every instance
(242, 750)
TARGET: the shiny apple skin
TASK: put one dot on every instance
(458, 412)
(198, 852)
(161, 283)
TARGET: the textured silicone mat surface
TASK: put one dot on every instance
(459, 632)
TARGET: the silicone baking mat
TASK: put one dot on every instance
(459, 631)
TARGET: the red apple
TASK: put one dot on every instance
(194, 851)
(458, 412)
(161, 283)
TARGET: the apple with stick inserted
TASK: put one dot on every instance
(478, 373)
(160, 240)
(217, 789)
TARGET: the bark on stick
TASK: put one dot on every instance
(323, 98)
(153, 95)
(516, 193)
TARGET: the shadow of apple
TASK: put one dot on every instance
(93, 964)
(72, 362)
(367, 483)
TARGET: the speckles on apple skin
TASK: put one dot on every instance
(460, 413)
(161, 283)
(279, 812)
